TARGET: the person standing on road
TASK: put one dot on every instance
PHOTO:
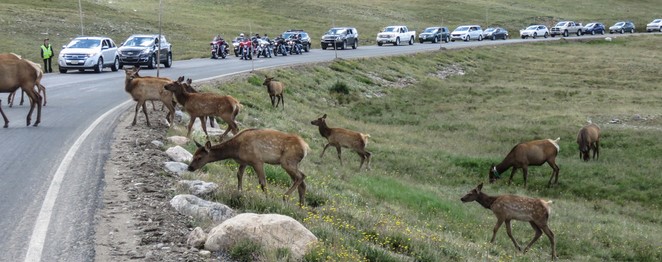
(47, 55)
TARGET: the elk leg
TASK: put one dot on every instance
(240, 175)
(525, 171)
(302, 190)
(190, 126)
(171, 113)
(21, 103)
(550, 235)
(273, 100)
(259, 169)
(512, 173)
(42, 89)
(282, 101)
(144, 106)
(555, 172)
(324, 150)
(4, 116)
(339, 152)
(10, 98)
(368, 156)
(496, 228)
(596, 151)
(203, 124)
(135, 116)
(510, 234)
(362, 159)
(535, 238)
(297, 181)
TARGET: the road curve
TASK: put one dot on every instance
(63, 158)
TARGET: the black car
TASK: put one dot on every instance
(142, 50)
(495, 33)
(594, 28)
(340, 38)
(434, 34)
(622, 27)
(302, 35)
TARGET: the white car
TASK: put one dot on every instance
(89, 53)
(656, 25)
(467, 33)
(534, 31)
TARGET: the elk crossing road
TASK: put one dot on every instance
(51, 176)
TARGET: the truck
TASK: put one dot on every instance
(395, 34)
(566, 28)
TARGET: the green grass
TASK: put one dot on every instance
(433, 139)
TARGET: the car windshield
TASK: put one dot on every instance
(489, 29)
(560, 24)
(139, 41)
(336, 31)
(533, 27)
(289, 34)
(430, 30)
(657, 21)
(390, 29)
(620, 24)
(84, 43)
(462, 28)
(590, 24)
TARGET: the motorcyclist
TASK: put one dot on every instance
(280, 45)
(296, 38)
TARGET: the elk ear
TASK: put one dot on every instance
(208, 146)
(189, 81)
(197, 144)
(324, 116)
(480, 187)
(180, 79)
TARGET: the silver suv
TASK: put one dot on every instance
(467, 33)
(88, 53)
(142, 50)
(340, 37)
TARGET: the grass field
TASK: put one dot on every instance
(433, 139)
(437, 121)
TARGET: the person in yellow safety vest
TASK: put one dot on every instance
(47, 55)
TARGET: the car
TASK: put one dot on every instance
(622, 27)
(340, 37)
(495, 33)
(140, 50)
(305, 38)
(89, 52)
(395, 34)
(467, 33)
(534, 31)
(655, 25)
(593, 28)
(434, 34)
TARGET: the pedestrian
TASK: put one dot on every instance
(47, 55)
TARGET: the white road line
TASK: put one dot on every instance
(44, 219)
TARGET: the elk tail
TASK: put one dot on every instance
(556, 143)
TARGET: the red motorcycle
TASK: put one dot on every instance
(246, 49)
(219, 48)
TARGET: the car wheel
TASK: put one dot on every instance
(480, 38)
(494, 37)
(411, 41)
(602, 32)
(323, 47)
(622, 31)
(116, 65)
(99, 66)
(434, 40)
(397, 41)
(63, 71)
(152, 62)
(523, 37)
(447, 38)
(565, 33)
(121, 65)
(546, 34)
(535, 35)
(467, 39)
(421, 41)
(579, 32)
(632, 31)
(355, 44)
(344, 45)
(168, 62)
(380, 44)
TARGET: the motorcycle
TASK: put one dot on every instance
(264, 48)
(219, 48)
(246, 49)
(281, 47)
(295, 46)
(235, 46)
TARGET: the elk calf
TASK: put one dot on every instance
(511, 207)
(534, 153)
(144, 89)
(255, 147)
(589, 139)
(201, 105)
(340, 137)
(275, 90)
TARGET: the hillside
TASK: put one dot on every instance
(191, 24)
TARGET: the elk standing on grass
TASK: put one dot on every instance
(21, 73)
(275, 90)
(589, 139)
(511, 207)
(523, 155)
(190, 89)
(201, 105)
(340, 137)
(255, 147)
(144, 89)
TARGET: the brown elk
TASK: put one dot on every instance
(255, 147)
(40, 74)
(340, 137)
(21, 73)
(144, 89)
(511, 207)
(188, 88)
(275, 90)
(523, 155)
(589, 139)
(201, 105)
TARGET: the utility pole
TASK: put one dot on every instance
(80, 12)
(158, 46)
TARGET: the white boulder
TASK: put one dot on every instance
(176, 167)
(201, 209)
(179, 154)
(197, 187)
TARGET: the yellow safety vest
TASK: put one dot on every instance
(47, 51)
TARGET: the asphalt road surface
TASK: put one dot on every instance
(51, 176)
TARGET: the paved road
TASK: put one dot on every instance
(51, 176)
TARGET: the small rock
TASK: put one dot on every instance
(178, 140)
(176, 167)
(205, 253)
(637, 117)
(197, 187)
(197, 238)
(615, 121)
(157, 143)
(179, 154)
(198, 208)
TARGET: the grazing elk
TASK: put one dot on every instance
(275, 90)
(511, 207)
(340, 137)
(40, 74)
(589, 139)
(21, 73)
(144, 89)
(201, 105)
(523, 155)
(255, 147)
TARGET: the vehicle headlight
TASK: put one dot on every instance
(144, 52)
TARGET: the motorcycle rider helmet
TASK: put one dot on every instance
(241, 35)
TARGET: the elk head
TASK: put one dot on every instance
(201, 156)
(472, 194)
(493, 174)
(320, 121)
(267, 80)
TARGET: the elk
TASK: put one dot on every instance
(21, 73)
(40, 74)
(511, 207)
(275, 90)
(144, 89)
(589, 139)
(201, 105)
(255, 147)
(340, 137)
(524, 154)
(190, 89)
